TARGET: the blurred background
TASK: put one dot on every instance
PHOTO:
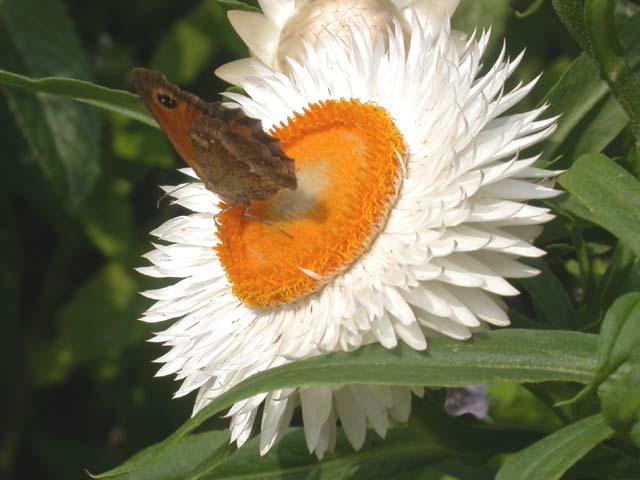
(77, 378)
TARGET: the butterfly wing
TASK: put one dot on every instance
(241, 162)
(229, 151)
(226, 171)
(175, 110)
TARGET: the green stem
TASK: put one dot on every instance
(571, 14)
(584, 263)
(610, 287)
(609, 53)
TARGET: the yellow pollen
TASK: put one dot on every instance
(348, 164)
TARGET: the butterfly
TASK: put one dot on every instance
(228, 150)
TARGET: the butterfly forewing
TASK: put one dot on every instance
(174, 109)
(228, 150)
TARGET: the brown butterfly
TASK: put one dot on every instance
(229, 151)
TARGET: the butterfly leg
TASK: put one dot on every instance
(266, 222)
(222, 212)
(170, 192)
(218, 224)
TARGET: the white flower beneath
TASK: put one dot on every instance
(438, 267)
(278, 33)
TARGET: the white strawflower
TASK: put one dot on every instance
(285, 26)
(408, 217)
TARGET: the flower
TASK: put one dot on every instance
(280, 32)
(468, 400)
(408, 216)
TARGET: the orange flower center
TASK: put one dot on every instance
(349, 167)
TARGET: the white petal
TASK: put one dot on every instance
(257, 32)
(278, 11)
(373, 408)
(352, 417)
(316, 407)
(412, 335)
(397, 306)
(483, 306)
(518, 190)
(238, 71)
(401, 406)
(446, 326)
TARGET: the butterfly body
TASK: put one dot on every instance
(228, 150)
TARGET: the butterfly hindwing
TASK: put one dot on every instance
(227, 160)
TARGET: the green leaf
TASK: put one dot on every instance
(239, 5)
(533, 7)
(378, 459)
(401, 450)
(183, 458)
(620, 395)
(552, 456)
(118, 101)
(614, 279)
(98, 322)
(550, 299)
(607, 50)
(599, 126)
(63, 136)
(491, 357)
(568, 204)
(591, 117)
(619, 336)
(611, 194)
(571, 13)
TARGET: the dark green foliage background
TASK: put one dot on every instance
(79, 187)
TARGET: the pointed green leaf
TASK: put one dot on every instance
(610, 193)
(571, 13)
(63, 136)
(183, 458)
(552, 456)
(591, 117)
(610, 54)
(118, 101)
(550, 299)
(620, 395)
(290, 459)
(619, 336)
(491, 357)
(613, 282)
(533, 7)
(239, 5)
